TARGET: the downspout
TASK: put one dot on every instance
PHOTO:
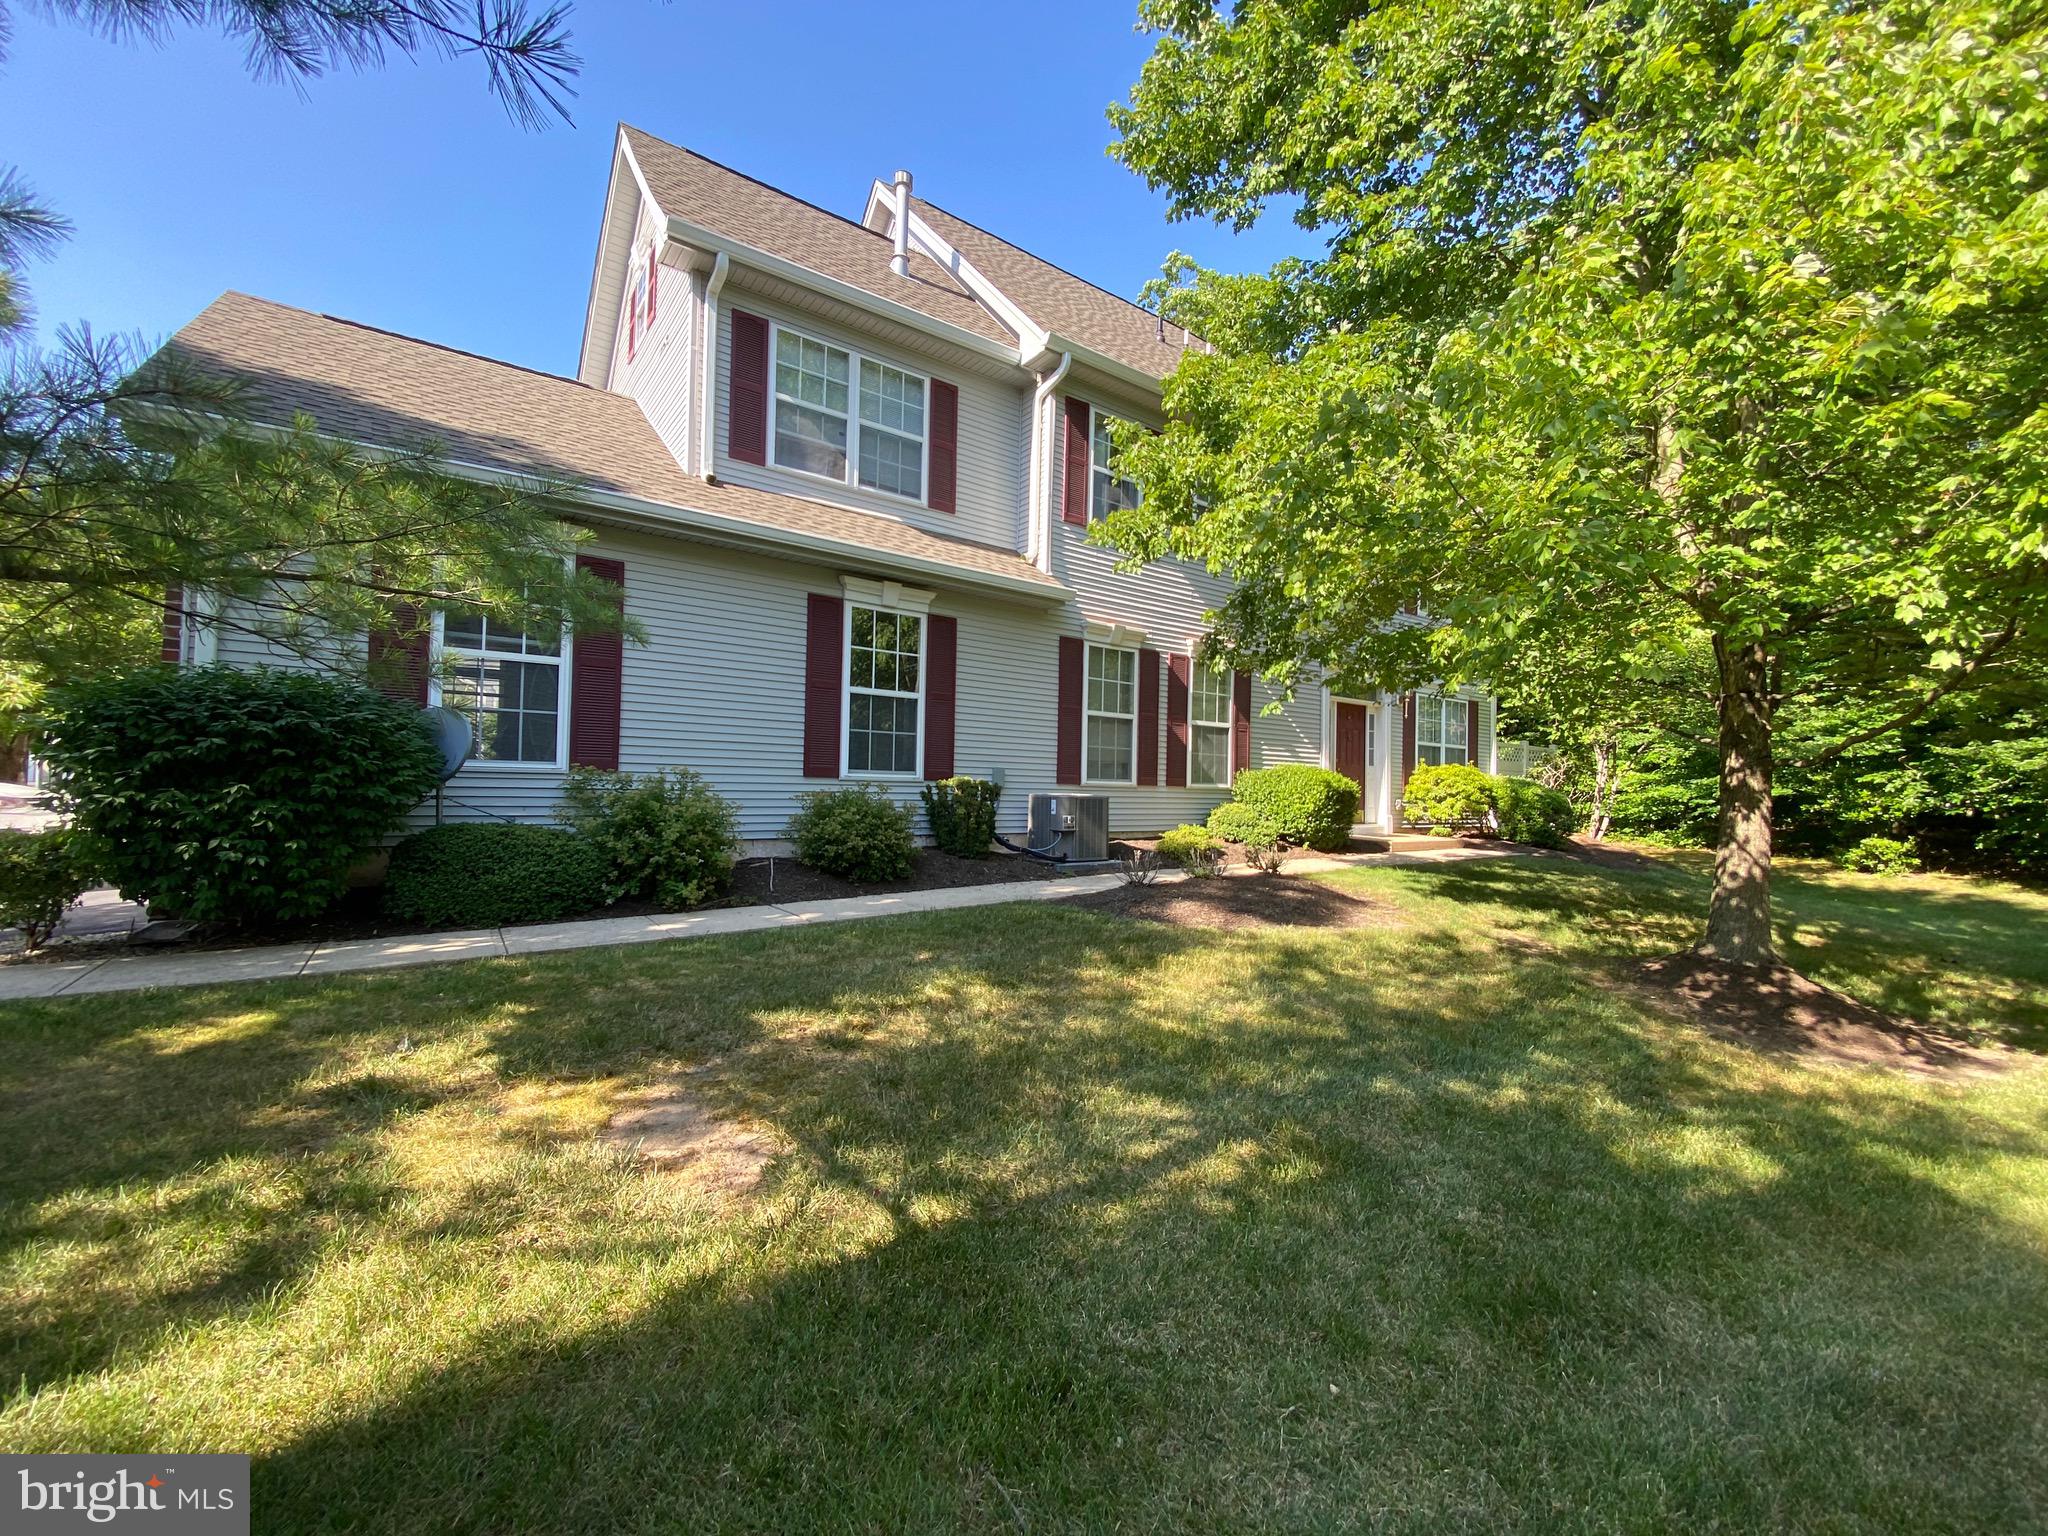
(1039, 530)
(707, 451)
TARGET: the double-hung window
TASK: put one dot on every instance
(1110, 743)
(1109, 492)
(1439, 729)
(509, 682)
(884, 691)
(872, 436)
(1209, 729)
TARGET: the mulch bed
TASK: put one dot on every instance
(1241, 902)
(1776, 1009)
(759, 881)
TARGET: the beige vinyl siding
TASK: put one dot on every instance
(993, 438)
(658, 373)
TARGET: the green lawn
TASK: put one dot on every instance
(1082, 1224)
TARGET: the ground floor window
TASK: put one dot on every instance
(1440, 723)
(1209, 729)
(1111, 745)
(884, 693)
(509, 682)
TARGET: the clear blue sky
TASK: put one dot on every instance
(406, 197)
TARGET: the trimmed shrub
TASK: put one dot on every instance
(1528, 812)
(1439, 795)
(1882, 856)
(1310, 805)
(233, 796)
(1238, 823)
(485, 874)
(1195, 849)
(40, 876)
(858, 834)
(962, 814)
(668, 835)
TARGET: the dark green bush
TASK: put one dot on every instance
(1882, 856)
(485, 874)
(1528, 812)
(41, 874)
(858, 834)
(1444, 794)
(962, 814)
(233, 796)
(669, 836)
(1239, 823)
(1195, 849)
(1310, 805)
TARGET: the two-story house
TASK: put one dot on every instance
(845, 471)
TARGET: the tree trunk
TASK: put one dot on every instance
(1739, 912)
(1602, 816)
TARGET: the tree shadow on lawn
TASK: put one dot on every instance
(1085, 1218)
(1119, 1236)
(1930, 955)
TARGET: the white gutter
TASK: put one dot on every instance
(1038, 525)
(846, 293)
(707, 417)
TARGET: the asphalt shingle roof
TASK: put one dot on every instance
(688, 186)
(387, 390)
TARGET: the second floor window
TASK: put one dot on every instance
(1111, 744)
(1439, 729)
(883, 694)
(817, 408)
(509, 682)
(1209, 729)
(1109, 492)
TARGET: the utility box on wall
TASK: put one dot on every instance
(1073, 826)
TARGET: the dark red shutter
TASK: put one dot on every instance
(941, 661)
(1074, 494)
(1148, 717)
(824, 670)
(653, 279)
(597, 674)
(401, 657)
(174, 623)
(1472, 730)
(1067, 737)
(746, 422)
(1241, 724)
(1177, 722)
(945, 447)
(1407, 738)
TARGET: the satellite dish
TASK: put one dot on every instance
(454, 738)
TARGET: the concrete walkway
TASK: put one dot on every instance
(123, 972)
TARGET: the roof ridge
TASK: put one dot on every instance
(1150, 314)
(766, 186)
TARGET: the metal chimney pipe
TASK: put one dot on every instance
(900, 262)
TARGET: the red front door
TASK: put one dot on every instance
(1351, 742)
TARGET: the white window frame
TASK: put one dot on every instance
(1196, 672)
(439, 650)
(846, 686)
(1090, 716)
(1097, 468)
(636, 292)
(1440, 744)
(854, 358)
